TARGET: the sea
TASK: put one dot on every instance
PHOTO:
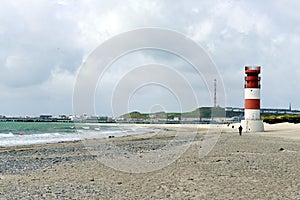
(28, 133)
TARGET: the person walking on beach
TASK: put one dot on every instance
(240, 129)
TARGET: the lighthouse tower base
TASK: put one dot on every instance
(252, 126)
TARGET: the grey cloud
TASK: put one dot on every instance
(43, 43)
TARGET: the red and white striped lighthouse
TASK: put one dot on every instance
(252, 122)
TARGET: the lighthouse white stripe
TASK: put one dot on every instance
(252, 114)
(252, 93)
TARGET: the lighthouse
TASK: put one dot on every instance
(252, 122)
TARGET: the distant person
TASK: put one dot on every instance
(240, 129)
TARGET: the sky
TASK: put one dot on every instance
(44, 44)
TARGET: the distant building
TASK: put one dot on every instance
(45, 116)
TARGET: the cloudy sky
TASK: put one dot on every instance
(44, 43)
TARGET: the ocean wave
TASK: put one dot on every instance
(6, 135)
(39, 136)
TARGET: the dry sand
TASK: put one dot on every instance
(253, 166)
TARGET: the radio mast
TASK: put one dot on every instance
(215, 93)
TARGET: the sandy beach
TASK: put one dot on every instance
(252, 166)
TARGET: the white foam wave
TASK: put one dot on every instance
(6, 135)
(10, 139)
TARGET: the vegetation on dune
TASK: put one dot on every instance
(204, 112)
(208, 112)
(136, 115)
(272, 119)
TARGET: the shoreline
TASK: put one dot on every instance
(155, 127)
(285, 130)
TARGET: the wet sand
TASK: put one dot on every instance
(253, 166)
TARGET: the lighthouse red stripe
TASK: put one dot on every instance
(252, 103)
(253, 84)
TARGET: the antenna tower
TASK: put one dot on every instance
(215, 93)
